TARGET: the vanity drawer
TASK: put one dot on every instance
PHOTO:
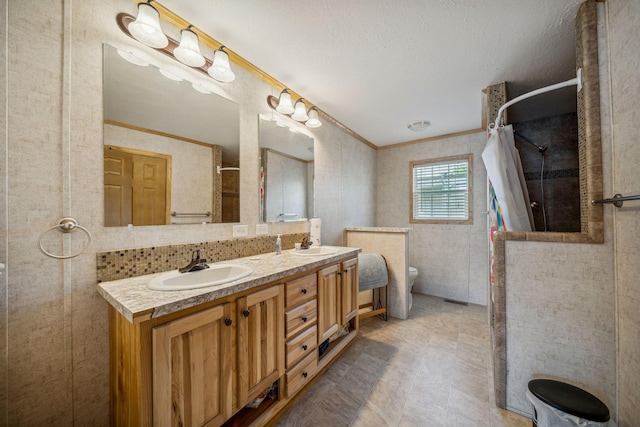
(300, 317)
(300, 346)
(300, 290)
(301, 374)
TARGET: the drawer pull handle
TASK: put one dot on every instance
(304, 374)
(228, 321)
(304, 291)
(304, 318)
(304, 347)
(246, 313)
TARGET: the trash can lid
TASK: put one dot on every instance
(570, 399)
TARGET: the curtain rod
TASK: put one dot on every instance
(576, 81)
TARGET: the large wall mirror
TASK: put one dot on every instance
(286, 172)
(171, 146)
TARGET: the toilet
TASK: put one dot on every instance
(413, 273)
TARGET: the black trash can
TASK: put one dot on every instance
(559, 404)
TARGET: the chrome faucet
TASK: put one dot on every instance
(197, 263)
(306, 243)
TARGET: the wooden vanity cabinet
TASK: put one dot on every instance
(193, 368)
(202, 365)
(260, 341)
(337, 297)
(301, 332)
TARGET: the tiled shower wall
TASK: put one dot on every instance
(561, 176)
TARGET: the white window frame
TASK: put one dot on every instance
(440, 161)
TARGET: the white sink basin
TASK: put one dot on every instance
(217, 274)
(318, 250)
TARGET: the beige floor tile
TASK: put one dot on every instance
(433, 369)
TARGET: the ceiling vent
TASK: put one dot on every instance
(419, 125)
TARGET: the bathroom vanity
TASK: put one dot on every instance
(207, 356)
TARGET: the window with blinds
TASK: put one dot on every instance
(441, 190)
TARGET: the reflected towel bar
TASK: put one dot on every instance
(176, 214)
(617, 200)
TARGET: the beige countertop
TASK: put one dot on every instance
(132, 298)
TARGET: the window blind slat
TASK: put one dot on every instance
(441, 191)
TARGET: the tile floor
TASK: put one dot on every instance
(432, 369)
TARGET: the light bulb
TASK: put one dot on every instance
(220, 68)
(189, 51)
(284, 103)
(146, 28)
(314, 121)
(300, 112)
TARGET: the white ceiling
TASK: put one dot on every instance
(376, 65)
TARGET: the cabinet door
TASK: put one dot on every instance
(328, 302)
(192, 369)
(260, 341)
(349, 290)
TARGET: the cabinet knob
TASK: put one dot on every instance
(304, 347)
(304, 291)
(304, 374)
(246, 313)
(304, 318)
(339, 273)
(228, 321)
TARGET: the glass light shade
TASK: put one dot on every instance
(189, 52)
(170, 75)
(314, 121)
(200, 88)
(132, 58)
(284, 103)
(146, 28)
(300, 112)
(220, 68)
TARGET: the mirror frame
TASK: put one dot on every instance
(263, 186)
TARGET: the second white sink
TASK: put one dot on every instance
(318, 250)
(217, 274)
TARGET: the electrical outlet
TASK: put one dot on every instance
(240, 230)
(262, 229)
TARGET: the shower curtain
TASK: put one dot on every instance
(504, 170)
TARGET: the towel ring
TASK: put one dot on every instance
(65, 225)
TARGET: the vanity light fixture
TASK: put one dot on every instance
(189, 51)
(300, 111)
(220, 68)
(314, 121)
(285, 105)
(146, 28)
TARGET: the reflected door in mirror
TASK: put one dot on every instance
(136, 186)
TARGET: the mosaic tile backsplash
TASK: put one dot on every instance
(121, 264)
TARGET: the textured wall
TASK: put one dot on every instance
(451, 259)
(56, 323)
(624, 51)
(561, 298)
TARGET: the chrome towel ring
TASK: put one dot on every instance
(65, 225)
